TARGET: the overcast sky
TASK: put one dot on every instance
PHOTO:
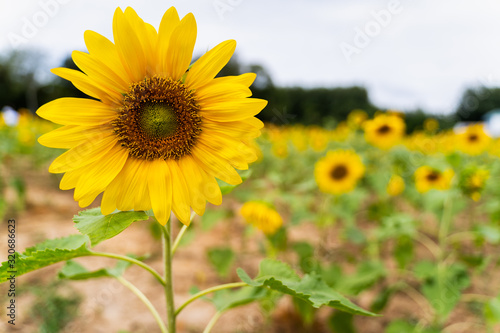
(408, 54)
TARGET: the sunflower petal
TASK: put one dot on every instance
(103, 49)
(181, 199)
(77, 111)
(129, 47)
(160, 190)
(70, 136)
(210, 64)
(216, 166)
(233, 110)
(180, 47)
(168, 23)
(96, 177)
(84, 154)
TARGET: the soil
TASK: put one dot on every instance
(107, 306)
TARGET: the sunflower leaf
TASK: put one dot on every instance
(227, 299)
(45, 254)
(278, 276)
(74, 271)
(102, 227)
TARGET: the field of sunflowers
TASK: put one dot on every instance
(405, 226)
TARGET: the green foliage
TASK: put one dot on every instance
(476, 102)
(492, 311)
(52, 310)
(100, 227)
(74, 271)
(45, 254)
(278, 276)
(442, 285)
(226, 299)
(341, 322)
(367, 274)
(222, 259)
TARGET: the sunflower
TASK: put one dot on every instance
(158, 130)
(473, 181)
(385, 130)
(339, 171)
(262, 216)
(395, 186)
(427, 178)
(473, 140)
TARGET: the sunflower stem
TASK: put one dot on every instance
(133, 261)
(208, 291)
(181, 233)
(146, 302)
(212, 322)
(169, 290)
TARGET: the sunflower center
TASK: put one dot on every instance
(433, 176)
(159, 119)
(339, 172)
(473, 137)
(384, 129)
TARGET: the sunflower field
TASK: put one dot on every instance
(405, 226)
(159, 201)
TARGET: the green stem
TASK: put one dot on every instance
(181, 233)
(208, 291)
(178, 238)
(169, 290)
(146, 301)
(212, 322)
(444, 227)
(131, 260)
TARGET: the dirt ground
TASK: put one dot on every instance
(107, 306)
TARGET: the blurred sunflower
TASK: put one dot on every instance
(339, 171)
(395, 186)
(473, 140)
(158, 129)
(262, 217)
(472, 182)
(427, 178)
(385, 130)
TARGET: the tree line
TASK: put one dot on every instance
(20, 87)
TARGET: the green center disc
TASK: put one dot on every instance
(158, 120)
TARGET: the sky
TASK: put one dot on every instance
(408, 54)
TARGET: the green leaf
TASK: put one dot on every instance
(367, 274)
(403, 251)
(45, 254)
(492, 311)
(341, 322)
(278, 276)
(221, 259)
(227, 299)
(74, 271)
(442, 286)
(101, 227)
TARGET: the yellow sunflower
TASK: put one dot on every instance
(339, 171)
(473, 140)
(427, 178)
(158, 130)
(472, 182)
(385, 130)
(395, 186)
(262, 216)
